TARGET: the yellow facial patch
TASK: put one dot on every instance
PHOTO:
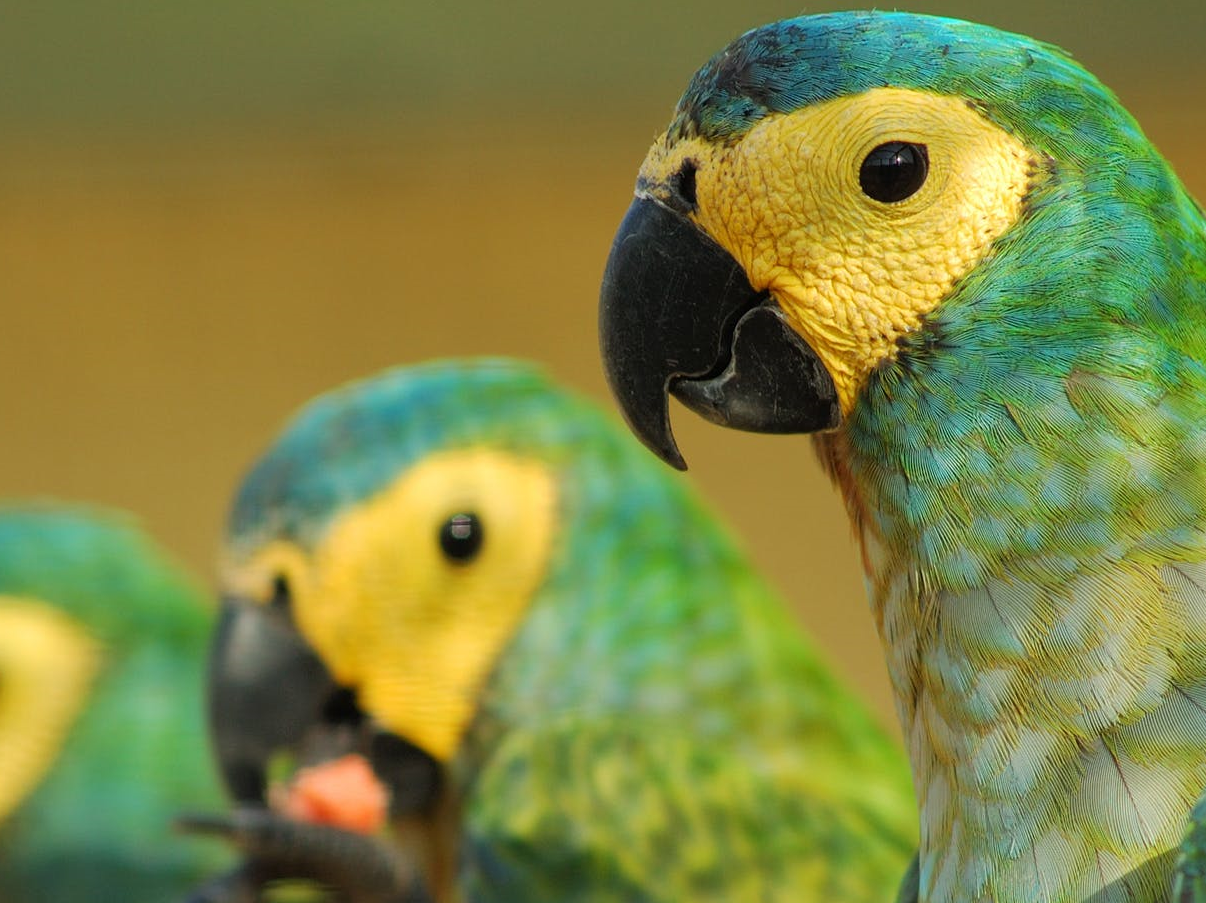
(851, 273)
(412, 629)
(47, 664)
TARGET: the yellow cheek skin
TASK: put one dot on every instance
(852, 274)
(413, 633)
(47, 666)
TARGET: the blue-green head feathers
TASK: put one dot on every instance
(99, 567)
(1026, 86)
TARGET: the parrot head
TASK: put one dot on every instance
(378, 558)
(81, 591)
(838, 195)
(389, 547)
(99, 627)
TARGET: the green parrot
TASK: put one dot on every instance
(462, 565)
(951, 254)
(102, 727)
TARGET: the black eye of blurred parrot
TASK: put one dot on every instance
(461, 537)
(951, 254)
(485, 571)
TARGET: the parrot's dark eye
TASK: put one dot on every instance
(461, 537)
(894, 171)
(682, 187)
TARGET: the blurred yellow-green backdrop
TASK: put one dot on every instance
(211, 210)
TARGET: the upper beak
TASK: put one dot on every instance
(269, 691)
(266, 688)
(677, 314)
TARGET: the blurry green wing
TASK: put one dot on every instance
(635, 812)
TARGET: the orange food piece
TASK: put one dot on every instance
(343, 792)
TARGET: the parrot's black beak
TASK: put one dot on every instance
(266, 688)
(677, 314)
(269, 692)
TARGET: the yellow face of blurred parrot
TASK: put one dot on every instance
(47, 664)
(411, 594)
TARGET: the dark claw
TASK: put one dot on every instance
(356, 867)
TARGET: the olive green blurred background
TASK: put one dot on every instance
(211, 211)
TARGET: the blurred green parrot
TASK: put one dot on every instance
(461, 564)
(102, 727)
(952, 254)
